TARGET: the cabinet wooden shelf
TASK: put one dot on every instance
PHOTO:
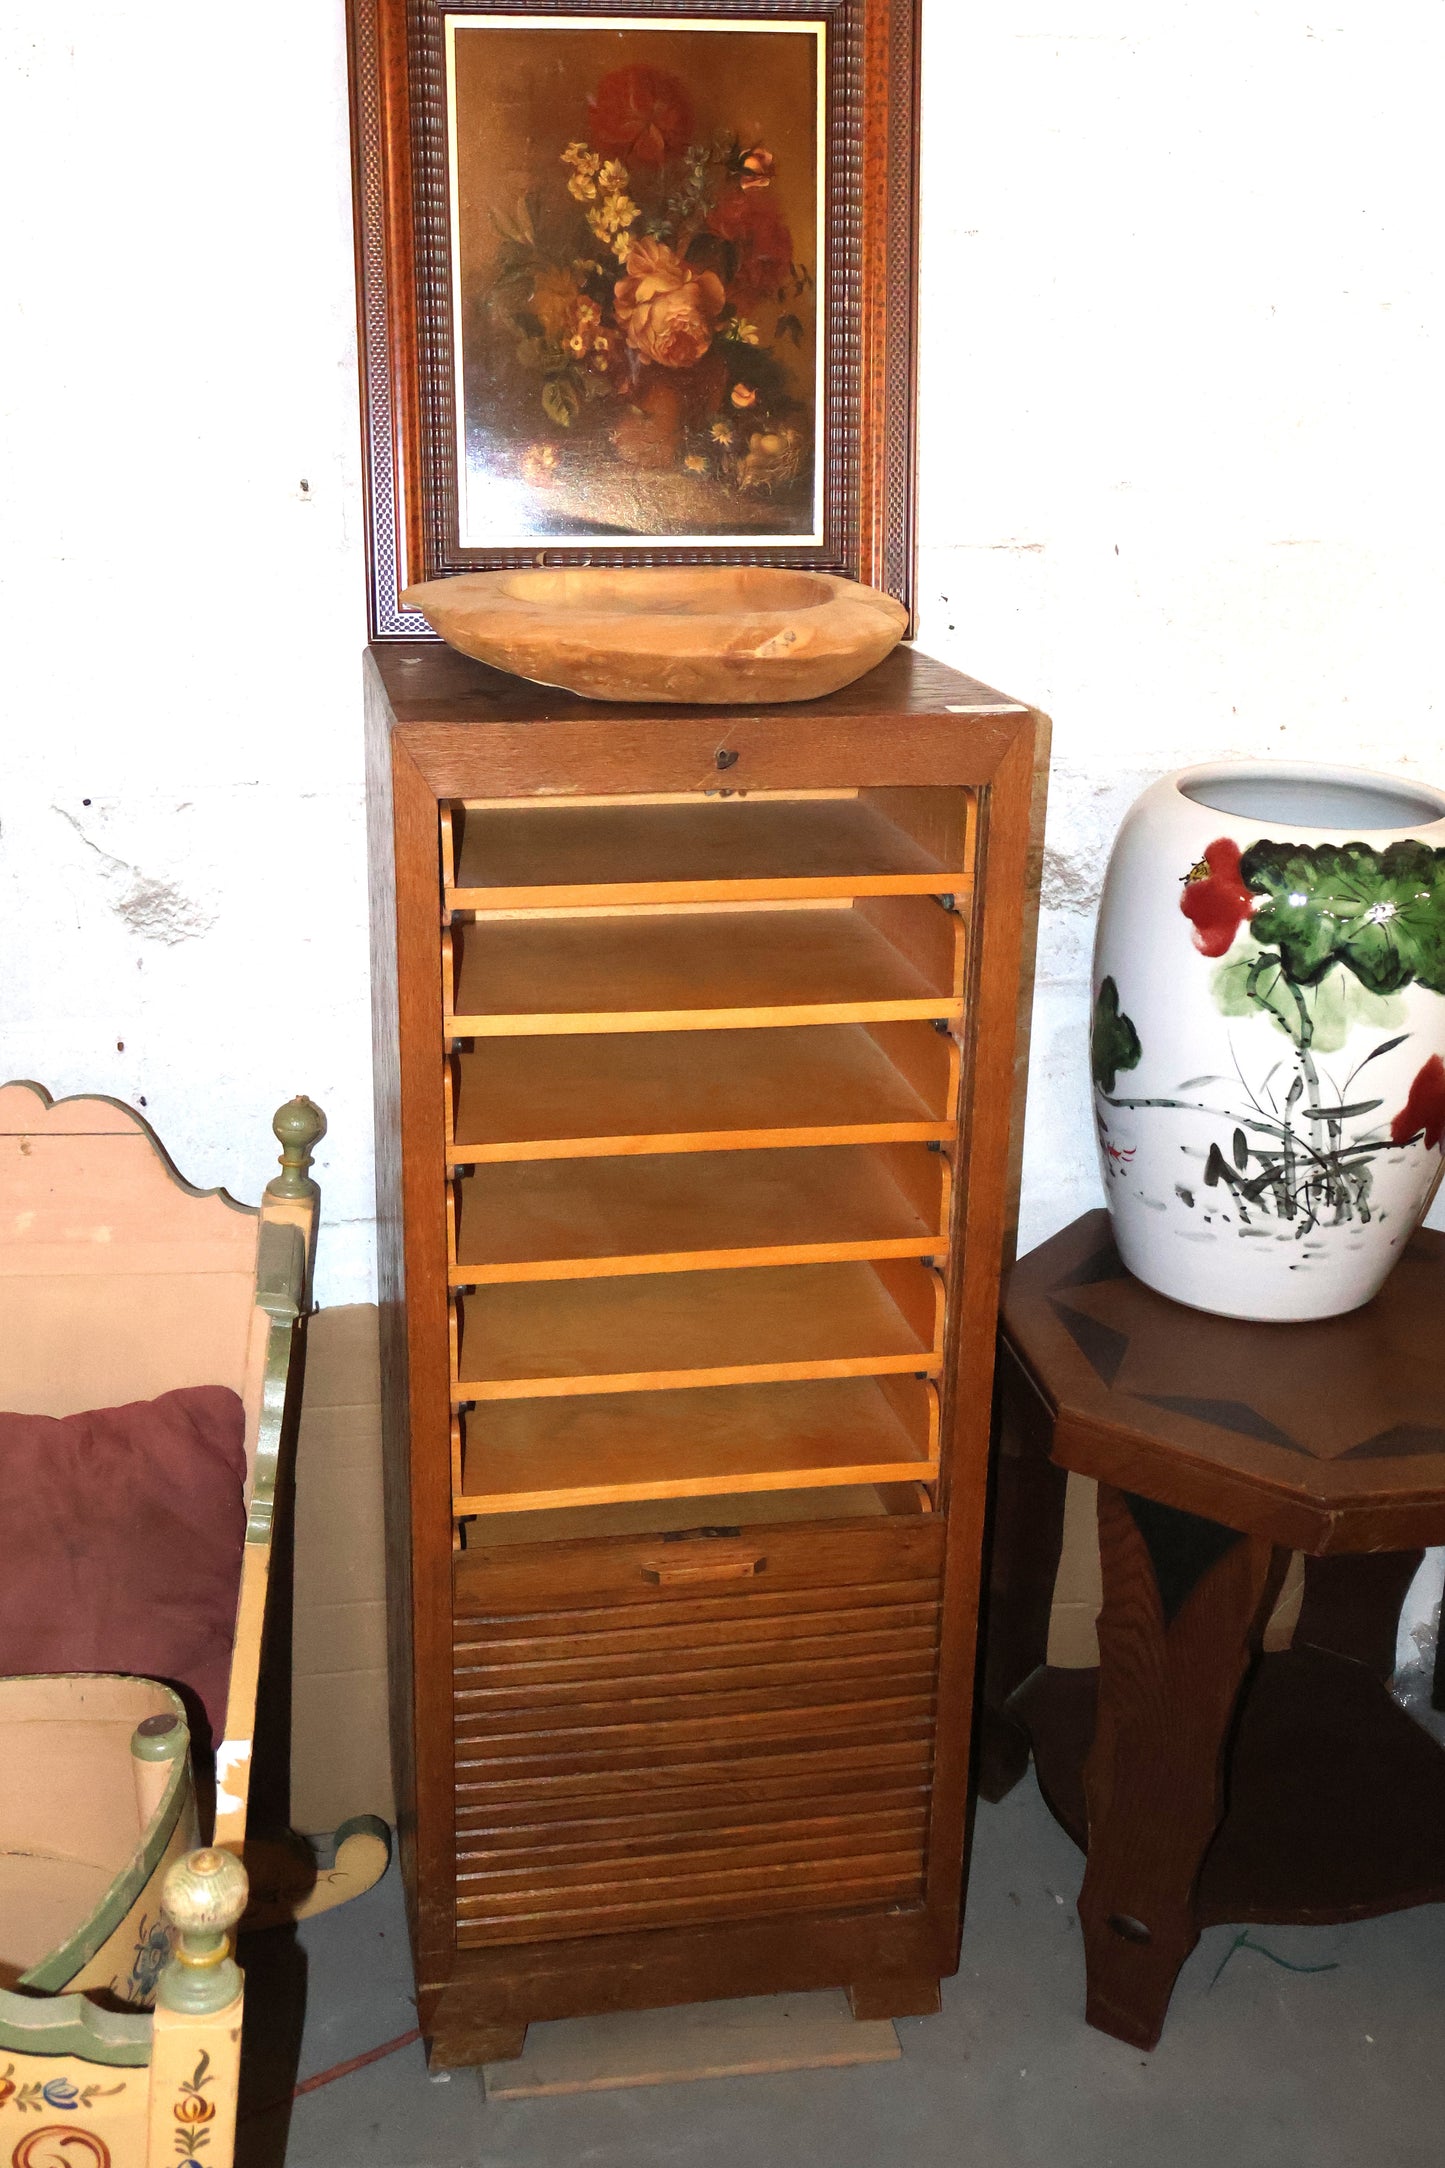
(527, 1455)
(669, 1330)
(646, 1092)
(879, 959)
(511, 856)
(678, 1515)
(690, 1333)
(560, 1219)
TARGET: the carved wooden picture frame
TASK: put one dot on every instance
(622, 362)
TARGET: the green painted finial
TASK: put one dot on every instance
(202, 1897)
(299, 1125)
(159, 1739)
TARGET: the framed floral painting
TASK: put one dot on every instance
(637, 286)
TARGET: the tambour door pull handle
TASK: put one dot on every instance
(666, 1572)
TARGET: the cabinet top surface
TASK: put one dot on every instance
(427, 682)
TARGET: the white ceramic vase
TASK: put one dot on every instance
(1269, 1034)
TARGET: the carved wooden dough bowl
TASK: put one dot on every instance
(719, 633)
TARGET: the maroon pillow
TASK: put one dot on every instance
(123, 1536)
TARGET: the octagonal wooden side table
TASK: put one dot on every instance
(1208, 1783)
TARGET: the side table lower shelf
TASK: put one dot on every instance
(1334, 1795)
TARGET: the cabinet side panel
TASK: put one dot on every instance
(1028, 960)
(981, 1203)
(391, 1267)
(421, 1066)
(407, 1072)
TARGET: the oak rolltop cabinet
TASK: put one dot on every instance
(695, 1055)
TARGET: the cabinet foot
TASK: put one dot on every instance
(461, 2047)
(895, 1998)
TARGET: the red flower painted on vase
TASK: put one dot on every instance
(1424, 1111)
(641, 114)
(1215, 900)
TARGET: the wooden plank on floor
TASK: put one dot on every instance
(750, 2037)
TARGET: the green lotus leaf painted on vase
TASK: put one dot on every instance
(1113, 1042)
(1379, 913)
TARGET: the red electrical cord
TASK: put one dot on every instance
(337, 2070)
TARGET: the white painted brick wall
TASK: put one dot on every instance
(1181, 468)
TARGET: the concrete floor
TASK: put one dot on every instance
(1336, 2068)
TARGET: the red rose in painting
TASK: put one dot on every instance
(1424, 1111)
(1215, 900)
(759, 233)
(668, 309)
(641, 114)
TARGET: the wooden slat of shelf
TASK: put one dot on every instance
(484, 1774)
(724, 1625)
(531, 1686)
(599, 1218)
(562, 1337)
(782, 1800)
(483, 1873)
(680, 1821)
(865, 1882)
(527, 1455)
(709, 850)
(601, 1653)
(502, 1535)
(673, 1721)
(642, 1092)
(697, 971)
(871, 1554)
(545, 1783)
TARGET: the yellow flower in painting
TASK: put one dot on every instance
(613, 177)
(721, 433)
(617, 211)
(743, 395)
(747, 333)
(580, 187)
(578, 155)
(577, 344)
(695, 463)
(622, 247)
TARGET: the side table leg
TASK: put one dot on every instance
(1024, 1542)
(1185, 1606)
(1352, 1606)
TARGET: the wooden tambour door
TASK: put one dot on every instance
(657, 1734)
(695, 1066)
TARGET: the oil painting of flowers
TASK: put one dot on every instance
(635, 251)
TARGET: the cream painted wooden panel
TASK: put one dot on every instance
(90, 1342)
(118, 1280)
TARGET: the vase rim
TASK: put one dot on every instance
(1323, 796)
